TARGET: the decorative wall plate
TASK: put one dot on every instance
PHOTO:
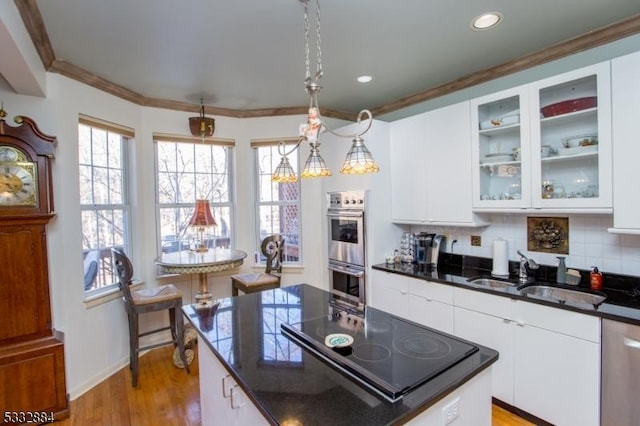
(548, 234)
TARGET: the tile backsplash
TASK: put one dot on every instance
(589, 242)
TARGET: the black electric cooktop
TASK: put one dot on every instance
(389, 355)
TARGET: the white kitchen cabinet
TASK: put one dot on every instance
(519, 156)
(430, 168)
(430, 304)
(389, 292)
(222, 402)
(626, 149)
(486, 319)
(557, 377)
(500, 150)
(421, 301)
(549, 361)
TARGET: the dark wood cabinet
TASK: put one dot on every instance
(32, 368)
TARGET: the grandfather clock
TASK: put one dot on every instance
(32, 370)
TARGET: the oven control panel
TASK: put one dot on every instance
(346, 200)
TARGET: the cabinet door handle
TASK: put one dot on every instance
(631, 343)
(236, 398)
(520, 323)
(507, 320)
(403, 291)
(226, 387)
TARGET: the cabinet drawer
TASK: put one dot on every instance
(498, 306)
(574, 324)
(431, 291)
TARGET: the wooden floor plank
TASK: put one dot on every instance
(166, 395)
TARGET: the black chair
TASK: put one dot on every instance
(166, 297)
(272, 248)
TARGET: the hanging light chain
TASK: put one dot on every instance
(318, 44)
(307, 62)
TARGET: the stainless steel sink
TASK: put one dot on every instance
(563, 295)
(491, 283)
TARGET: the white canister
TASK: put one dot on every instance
(500, 258)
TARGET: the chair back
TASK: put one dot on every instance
(272, 248)
(124, 271)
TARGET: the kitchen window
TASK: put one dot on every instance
(104, 198)
(187, 169)
(278, 205)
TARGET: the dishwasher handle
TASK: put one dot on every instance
(632, 343)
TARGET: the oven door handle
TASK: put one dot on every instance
(357, 274)
(344, 214)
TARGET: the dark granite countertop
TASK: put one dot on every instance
(623, 292)
(287, 382)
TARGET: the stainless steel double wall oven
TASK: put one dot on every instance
(346, 247)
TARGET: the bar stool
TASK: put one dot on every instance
(272, 248)
(166, 297)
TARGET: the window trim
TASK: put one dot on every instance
(231, 203)
(127, 137)
(273, 142)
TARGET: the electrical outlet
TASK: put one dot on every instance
(476, 240)
(450, 411)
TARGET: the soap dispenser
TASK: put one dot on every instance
(561, 274)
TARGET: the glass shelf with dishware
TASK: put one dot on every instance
(497, 147)
(589, 114)
(504, 185)
(569, 166)
(510, 128)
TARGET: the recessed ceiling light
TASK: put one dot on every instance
(486, 20)
(364, 79)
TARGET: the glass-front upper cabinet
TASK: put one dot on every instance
(545, 145)
(500, 133)
(572, 164)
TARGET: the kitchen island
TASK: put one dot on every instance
(251, 373)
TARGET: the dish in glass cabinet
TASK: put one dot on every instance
(512, 117)
(581, 140)
(577, 150)
(572, 105)
(497, 157)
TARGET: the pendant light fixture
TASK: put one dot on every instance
(359, 160)
(202, 126)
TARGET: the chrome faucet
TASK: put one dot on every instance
(524, 264)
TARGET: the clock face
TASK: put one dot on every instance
(17, 179)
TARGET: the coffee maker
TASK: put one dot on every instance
(427, 248)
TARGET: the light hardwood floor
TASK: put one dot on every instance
(167, 396)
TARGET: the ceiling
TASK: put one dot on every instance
(248, 55)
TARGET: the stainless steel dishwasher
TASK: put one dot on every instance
(620, 374)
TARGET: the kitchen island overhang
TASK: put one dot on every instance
(286, 382)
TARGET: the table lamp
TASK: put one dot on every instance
(202, 218)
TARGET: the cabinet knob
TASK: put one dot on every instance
(520, 323)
